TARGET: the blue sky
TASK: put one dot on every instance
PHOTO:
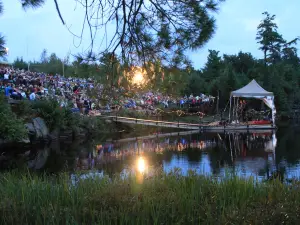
(236, 28)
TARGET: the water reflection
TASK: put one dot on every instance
(141, 165)
(215, 154)
(258, 154)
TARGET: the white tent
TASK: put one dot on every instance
(254, 90)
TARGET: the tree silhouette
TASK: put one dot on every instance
(2, 40)
(2, 47)
(272, 43)
(146, 30)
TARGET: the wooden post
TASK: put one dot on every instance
(230, 108)
(218, 102)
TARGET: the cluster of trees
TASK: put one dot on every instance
(278, 71)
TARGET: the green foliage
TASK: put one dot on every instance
(24, 110)
(11, 128)
(32, 3)
(272, 43)
(19, 63)
(62, 118)
(55, 116)
(158, 199)
(1, 7)
(2, 45)
(196, 83)
(278, 72)
(2, 40)
(133, 114)
(174, 81)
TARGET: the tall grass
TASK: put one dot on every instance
(160, 199)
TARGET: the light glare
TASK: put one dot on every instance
(138, 78)
(141, 165)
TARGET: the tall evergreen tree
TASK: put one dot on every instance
(44, 56)
(213, 66)
(270, 40)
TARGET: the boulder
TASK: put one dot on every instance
(30, 128)
(54, 134)
(41, 129)
(40, 159)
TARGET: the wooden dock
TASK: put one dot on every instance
(153, 136)
(190, 126)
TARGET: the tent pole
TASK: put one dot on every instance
(235, 106)
(233, 110)
(230, 107)
(236, 110)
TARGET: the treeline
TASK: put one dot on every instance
(277, 71)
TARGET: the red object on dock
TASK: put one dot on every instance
(260, 122)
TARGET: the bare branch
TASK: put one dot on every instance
(58, 11)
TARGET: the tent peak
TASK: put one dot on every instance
(252, 89)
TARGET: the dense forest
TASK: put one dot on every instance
(278, 71)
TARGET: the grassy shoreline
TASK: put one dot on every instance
(159, 199)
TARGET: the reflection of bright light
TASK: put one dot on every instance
(138, 78)
(141, 165)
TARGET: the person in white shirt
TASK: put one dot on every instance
(32, 96)
(6, 76)
(23, 94)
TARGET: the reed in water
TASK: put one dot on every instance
(136, 199)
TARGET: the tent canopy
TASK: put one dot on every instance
(252, 90)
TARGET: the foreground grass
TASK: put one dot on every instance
(161, 199)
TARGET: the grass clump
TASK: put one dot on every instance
(160, 199)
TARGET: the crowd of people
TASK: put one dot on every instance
(19, 84)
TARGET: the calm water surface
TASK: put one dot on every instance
(258, 154)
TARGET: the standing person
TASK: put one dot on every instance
(86, 106)
(6, 77)
(181, 102)
(7, 90)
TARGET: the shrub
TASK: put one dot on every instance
(24, 109)
(54, 116)
(64, 119)
(11, 128)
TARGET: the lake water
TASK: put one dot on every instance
(258, 154)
